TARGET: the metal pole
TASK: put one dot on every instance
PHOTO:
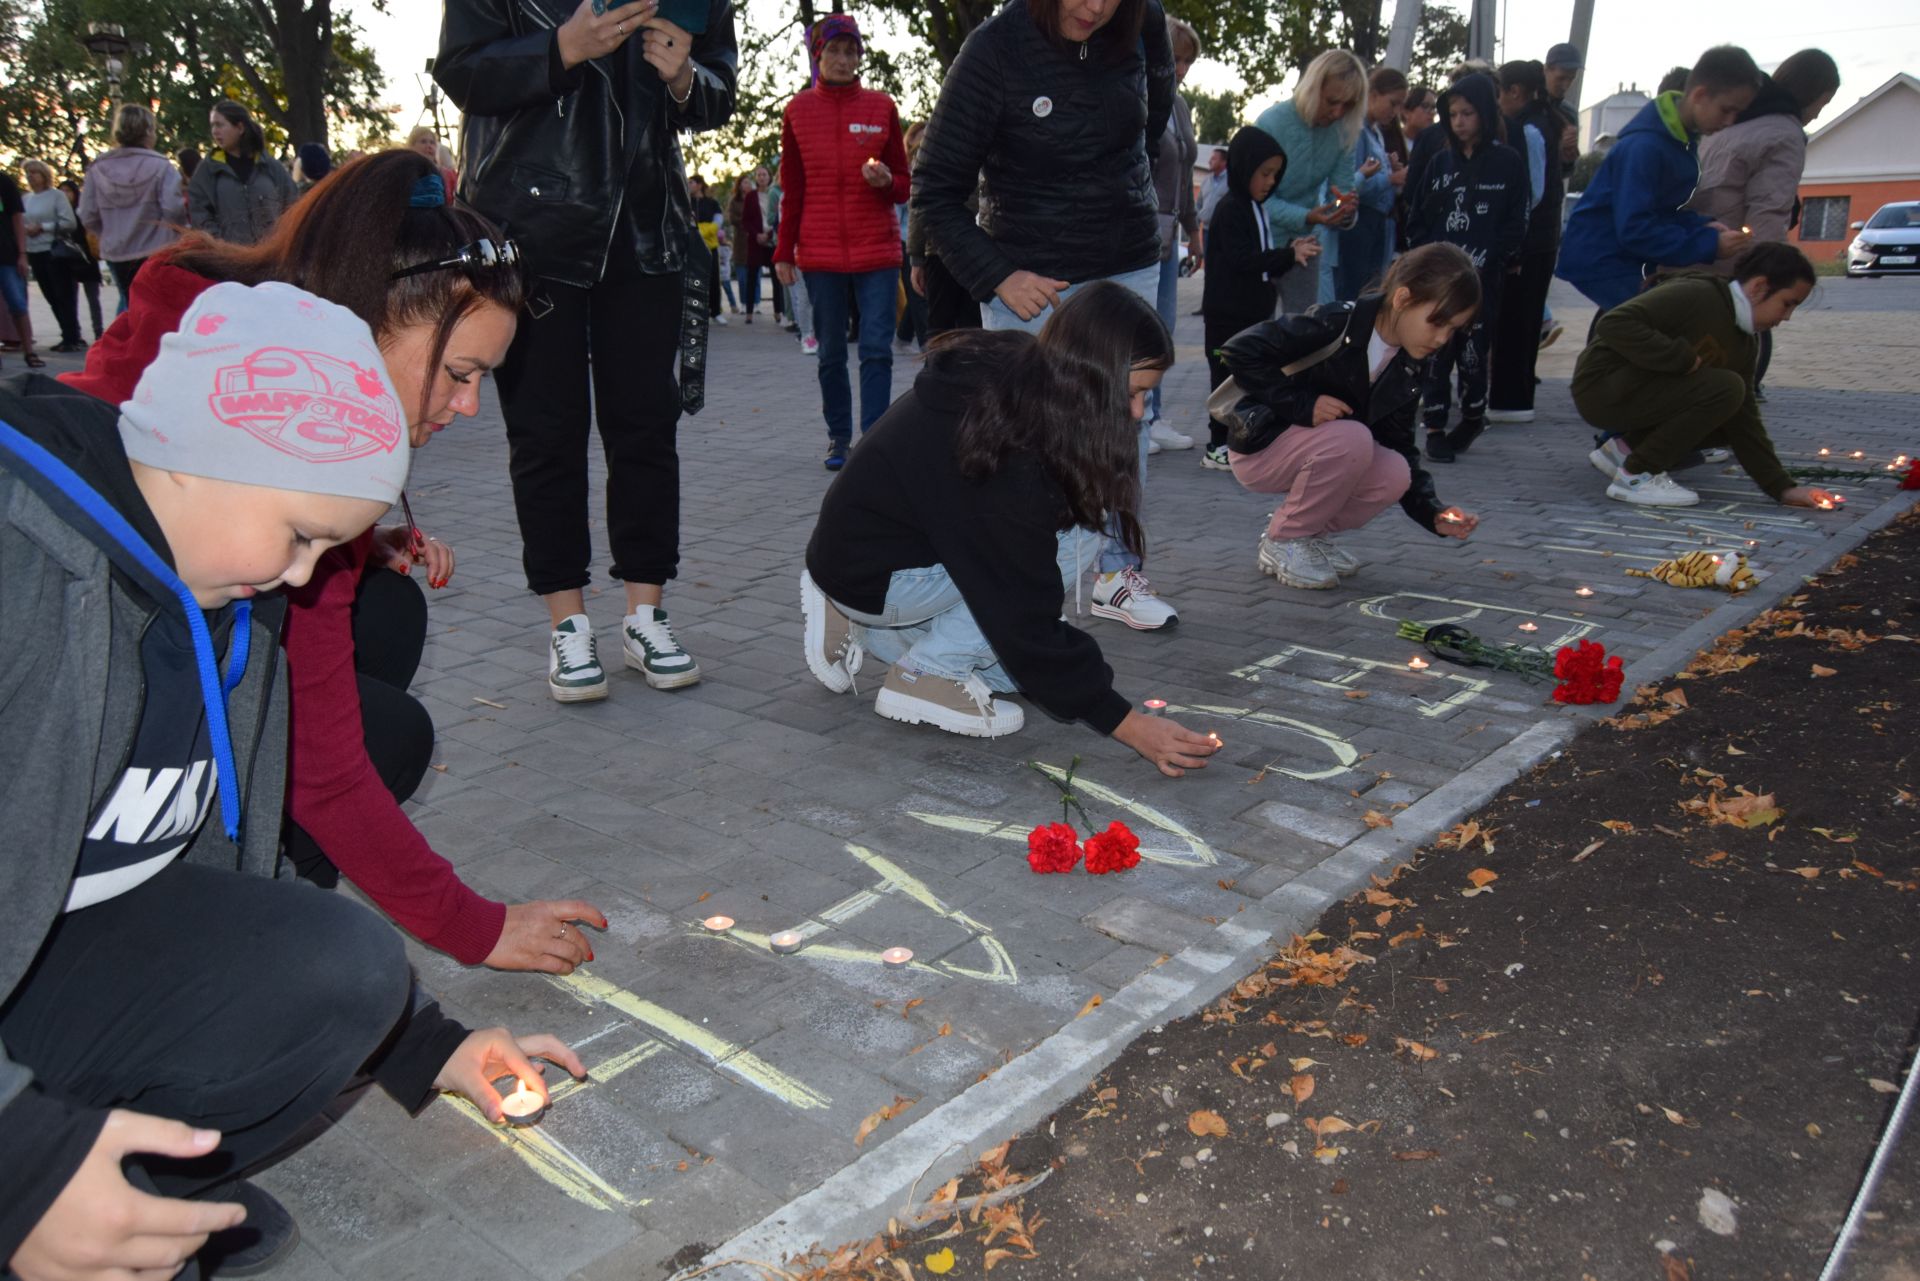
(1581, 33)
(1882, 1155)
(1480, 26)
(1406, 20)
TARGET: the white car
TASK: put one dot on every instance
(1887, 243)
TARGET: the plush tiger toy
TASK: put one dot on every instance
(1702, 569)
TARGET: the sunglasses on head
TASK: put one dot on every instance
(481, 253)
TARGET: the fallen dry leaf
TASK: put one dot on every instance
(1811, 873)
(1880, 1086)
(1835, 837)
(1581, 857)
(1678, 1119)
(946, 1029)
(1374, 818)
(1093, 1003)
(1356, 693)
(1819, 671)
(1675, 698)
(1417, 1154)
(1205, 1124)
(913, 1004)
(1421, 1053)
(900, 1104)
(1482, 877)
(1619, 825)
(1677, 1269)
(1301, 1087)
(940, 1262)
(1327, 1125)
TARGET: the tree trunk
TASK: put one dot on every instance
(302, 39)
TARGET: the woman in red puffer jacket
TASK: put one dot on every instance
(843, 168)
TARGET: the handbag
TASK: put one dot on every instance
(1250, 422)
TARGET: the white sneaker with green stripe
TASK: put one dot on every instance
(574, 674)
(652, 650)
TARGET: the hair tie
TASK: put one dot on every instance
(429, 192)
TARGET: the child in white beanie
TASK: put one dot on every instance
(157, 1004)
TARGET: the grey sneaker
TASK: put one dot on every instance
(1607, 457)
(574, 674)
(1650, 489)
(1339, 559)
(834, 654)
(959, 707)
(1297, 563)
(652, 650)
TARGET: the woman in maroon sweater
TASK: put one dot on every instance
(442, 316)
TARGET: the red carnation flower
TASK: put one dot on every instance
(1586, 674)
(1053, 848)
(1114, 850)
(1912, 479)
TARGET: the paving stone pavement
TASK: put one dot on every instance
(727, 1080)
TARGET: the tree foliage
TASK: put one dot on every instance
(1438, 46)
(1216, 115)
(301, 69)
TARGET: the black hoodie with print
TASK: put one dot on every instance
(1477, 202)
(1242, 275)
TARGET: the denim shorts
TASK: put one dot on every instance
(13, 289)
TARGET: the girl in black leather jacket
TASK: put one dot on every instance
(1330, 401)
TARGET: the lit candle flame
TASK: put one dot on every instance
(718, 924)
(786, 941)
(1418, 664)
(1824, 451)
(523, 1102)
(1858, 453)
(1529, 627)
(1583, 591)
(897, 956)
(1746, 231)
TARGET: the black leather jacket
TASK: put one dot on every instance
(1389, 407)
(547, 153)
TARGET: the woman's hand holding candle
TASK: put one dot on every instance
(876, 173)
(1455, 523)
(1172, 747)
(487, 1055)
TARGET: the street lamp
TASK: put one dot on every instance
(108, 43)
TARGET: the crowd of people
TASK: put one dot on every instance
(209, 640)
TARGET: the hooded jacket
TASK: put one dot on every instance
(1543, 223)
(241, 213)
(131, 201)
(1477, 202)
(553, 156)
(1632, 215)
(1388, 405)
(1061, 134)
(836, 220)
(902, 503)
(1317, 155)
(333, 793)
(1243, 272)
(1750, 172)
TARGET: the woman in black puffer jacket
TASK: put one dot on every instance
(1056, 114)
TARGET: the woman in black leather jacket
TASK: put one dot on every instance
(570, 146)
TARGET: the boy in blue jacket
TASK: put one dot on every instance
(1633, 216)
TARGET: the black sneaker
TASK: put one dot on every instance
(262, 1240)
(1461, 438)
(836, 457)
(1438, 450)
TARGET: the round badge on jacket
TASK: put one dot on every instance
(1043, 106)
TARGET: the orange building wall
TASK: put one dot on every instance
(1865, 197)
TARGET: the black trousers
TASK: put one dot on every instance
(1218, 329)
(226, 1001)
(389, 632)
(1467, 353)
(912, 326)
(949, 305)
(61, 289)
(1516, 339)
(550, 389)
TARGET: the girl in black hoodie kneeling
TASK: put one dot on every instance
(1473, 195)
(1244, 266)
(947, 546)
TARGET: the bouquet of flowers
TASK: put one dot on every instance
(1461, 647)
(1055, 847)
(1586, 674)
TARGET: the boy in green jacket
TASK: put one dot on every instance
(1671, 371)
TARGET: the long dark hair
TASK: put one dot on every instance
(343, 239)
(254, 141)
(1064, 397)
(1808, 75)
(1778, 263)
(1528, 74)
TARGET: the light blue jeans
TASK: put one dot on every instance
(1146, 283)
(927, 626)
(1166, 301)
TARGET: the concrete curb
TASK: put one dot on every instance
(857, 1201)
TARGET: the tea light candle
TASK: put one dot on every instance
(1583, 591)
(1858, 453)
(1746, 231)
(1451, 519)
(786, 942)
(1899, 460)
(1216, 739)
(718, 924)
(897, 957)
(1154, 707)
(1824, 451)
(523, 1107)
(1529, 627)
(1826, 504)
(1418, 664)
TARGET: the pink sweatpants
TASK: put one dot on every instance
(1335, 477)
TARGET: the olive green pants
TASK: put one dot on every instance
(1664, 417)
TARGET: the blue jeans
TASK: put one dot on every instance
(833, 294)
(1363, 252)
(1166, 301)
(1146, 283)
(927, 626)
(1608, 292)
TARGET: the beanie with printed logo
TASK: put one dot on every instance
(269, 385)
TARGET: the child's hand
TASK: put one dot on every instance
(487, 1055)
(1454, 523)
(1807, 496)
(1172, 748)
(1732, 242)
(1328, 408)
(1306, 249)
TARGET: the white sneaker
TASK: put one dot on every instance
(1153, 446)
(1650, 489)
(1297, 563)
(574, 674)
(1125, 595)
(1338, 559)
(1166, 437)
(1607, 458)
(810, 346)
(834, 655)
(1509, 415)
(958, 707)
(719, 318)
(652, 651)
